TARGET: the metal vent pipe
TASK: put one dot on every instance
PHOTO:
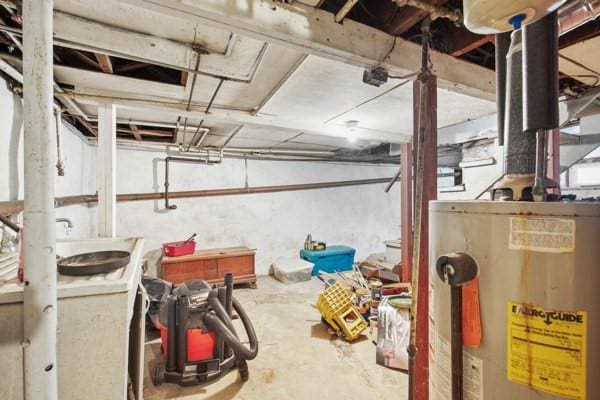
(540, 74)
(502, 46)
(520, 151)
(576, 13)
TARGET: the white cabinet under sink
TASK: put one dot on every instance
(94, 321)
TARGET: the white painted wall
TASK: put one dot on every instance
(276, 224)
(78, 158)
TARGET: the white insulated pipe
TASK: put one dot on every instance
(10, 71)
(346, 8)
(576, 13)
(39, 240)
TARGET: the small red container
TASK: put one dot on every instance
(176, 249)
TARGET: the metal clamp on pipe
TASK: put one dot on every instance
(456, 269)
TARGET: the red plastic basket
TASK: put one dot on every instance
(176, 249)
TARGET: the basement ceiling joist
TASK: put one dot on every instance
(82, 33)
(314, 31)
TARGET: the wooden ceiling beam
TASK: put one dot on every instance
(408, 17)
(584, 32)
(130, 66)
(104, 62)
(466, 41)
(183, 78)
(313, 31)
(85, 59)
(92, 129)
(136, 132)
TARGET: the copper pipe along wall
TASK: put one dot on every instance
(13, 207)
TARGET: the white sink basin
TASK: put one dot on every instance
(11, 290)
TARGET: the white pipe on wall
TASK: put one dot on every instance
(39, 240)
(106, 164)
(10, 71)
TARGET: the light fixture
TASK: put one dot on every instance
(352, 128)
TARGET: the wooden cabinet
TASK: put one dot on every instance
(211, 265)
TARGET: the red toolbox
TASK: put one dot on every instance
(176, 249)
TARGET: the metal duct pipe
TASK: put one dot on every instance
(13, 207)
(576, 13)
(520, 146)
(540, 74)
(40, 376)
(502, 46)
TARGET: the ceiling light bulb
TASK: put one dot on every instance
(352, 127)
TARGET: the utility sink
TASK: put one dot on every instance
(11, 290)
(100, 325)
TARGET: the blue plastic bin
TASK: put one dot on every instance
(332, 259)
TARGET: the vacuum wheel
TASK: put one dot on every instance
(159, 374)
(244, 372)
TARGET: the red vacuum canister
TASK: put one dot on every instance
(199, 341)
(201, 345)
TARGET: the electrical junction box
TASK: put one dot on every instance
(375, 77)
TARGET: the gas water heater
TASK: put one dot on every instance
(532, 313)
(514, 283)
(494, 16)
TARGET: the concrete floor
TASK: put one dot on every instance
(298, 359)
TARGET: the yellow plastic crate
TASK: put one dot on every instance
(336, 308)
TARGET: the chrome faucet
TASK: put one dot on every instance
(66, 221)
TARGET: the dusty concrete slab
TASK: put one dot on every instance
(297, 359)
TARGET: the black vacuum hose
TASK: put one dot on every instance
(219, 310)
(220, 322)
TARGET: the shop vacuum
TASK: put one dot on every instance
(199, 341)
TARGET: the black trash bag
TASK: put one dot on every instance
(158, 290)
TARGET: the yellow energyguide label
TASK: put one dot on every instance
(547, 349)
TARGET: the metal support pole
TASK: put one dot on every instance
(107, 166)
(406, 211)
(425, 107)
(39, 240)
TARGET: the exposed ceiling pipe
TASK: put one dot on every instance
(270, 150)
(346, 8)
(434, 12)
(576, 13)
(210, 103)
(13, 207)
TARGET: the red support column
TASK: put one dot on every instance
(421, 381)
(406, 209)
